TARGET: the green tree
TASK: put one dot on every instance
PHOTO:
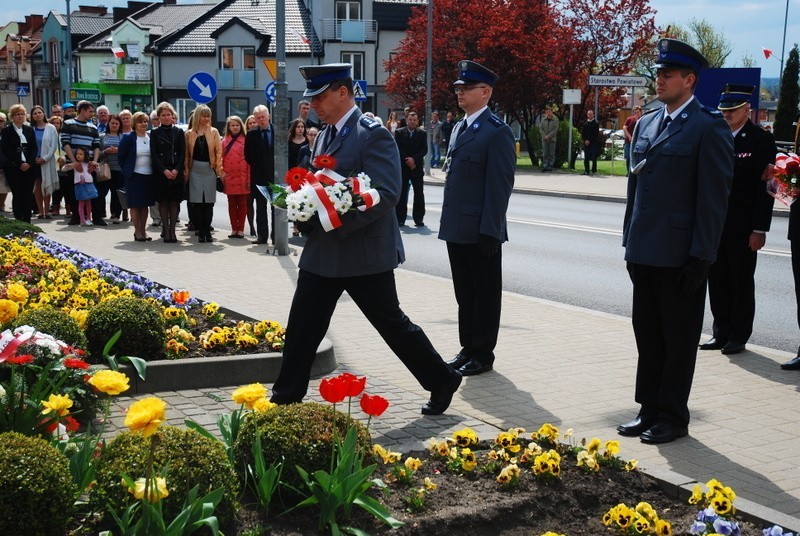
(788, 99)
(710, 42)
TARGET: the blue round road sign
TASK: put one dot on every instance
(202, 87)
(269, 92)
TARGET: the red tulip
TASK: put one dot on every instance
(354, 385)
(373, 405)
(332, 390)
(792, 167)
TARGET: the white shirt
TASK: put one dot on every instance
(144, 164)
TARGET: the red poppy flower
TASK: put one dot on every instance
(296, 177)
(180, 296)
(373, 405)
(325, 161)
(354, 385)
(20, 359)
(73, 363)
(332, 390)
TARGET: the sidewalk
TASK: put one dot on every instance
(560, 364)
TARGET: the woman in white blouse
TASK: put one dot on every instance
(137, 169)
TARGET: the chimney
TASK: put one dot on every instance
(93, 10)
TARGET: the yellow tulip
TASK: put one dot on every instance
(110, 382)
(146, 415)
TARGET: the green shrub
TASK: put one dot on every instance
(189, 459)
(301, 434)
(10, 226)
(142, 326)
(53, 322)
(36, 490)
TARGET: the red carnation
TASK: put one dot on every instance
(792, 166)
(296, 177)
(373, 405)
(71, 424)
(74, 363)
(24, 359)
(332, 390)
(325, 161)
(354, 385)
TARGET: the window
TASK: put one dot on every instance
(248, 58)
(184, 107)
(55, 59)
(226, 58)
(239, 106)
(348, 10)
(356, 59)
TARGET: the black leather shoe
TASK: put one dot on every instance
(635, 427)
(441, 398)
(459, 361)
(473, 367)
(733, 347)
(100, 222)
(260, 241)
(792, 364)
(714, 343)
(74, 221)
(663, 432)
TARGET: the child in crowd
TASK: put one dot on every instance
(85, 190)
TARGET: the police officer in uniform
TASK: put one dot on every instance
(731, 279)
(681, 173)
(360, 256)
(480, 167)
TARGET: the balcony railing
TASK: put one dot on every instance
(126, 72)
(349, 31)
(9, 72)
(236, 78)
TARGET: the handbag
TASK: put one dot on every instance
(103, 172)
(85, 190)
(220, 185)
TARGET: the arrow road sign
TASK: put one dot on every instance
(269, 92)
(360, 90)
(202, 87)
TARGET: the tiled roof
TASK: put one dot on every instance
(160, 19)
(83, 24)
(196, 38)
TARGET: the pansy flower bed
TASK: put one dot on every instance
(38, 272)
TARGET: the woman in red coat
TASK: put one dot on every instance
(237, 174)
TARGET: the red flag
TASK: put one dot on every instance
(767, 52)
(118, 52)
(303, 39)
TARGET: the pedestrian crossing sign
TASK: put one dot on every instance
(360, 90)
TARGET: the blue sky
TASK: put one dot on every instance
(749, 25)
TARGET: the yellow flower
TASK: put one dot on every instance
(59, 404)
(146, 415)
(641, 524)
(593, 446)
(249, 394)
(663, 528)
(547, 431)
(468, 463)
(110, 382)
(429, 484)
(263, 405)
(550, 533)
(720, 503)
(465, 437)
(612, 448)
(646, 510)
(631, 465)
(392, 457)
(587, 460)
(697, 495)
(8, 311)
(413, 463)
(210, 309)
(157, 489)
(17, 292)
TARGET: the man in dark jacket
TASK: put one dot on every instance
(259, 152)
(412, 144)
(590, 132)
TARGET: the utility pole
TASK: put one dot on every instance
(280, 119)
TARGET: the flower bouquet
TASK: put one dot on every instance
(785, 184)
(324, 193)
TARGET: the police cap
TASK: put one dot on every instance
(319, 77)
(674, 54)
(470, 72)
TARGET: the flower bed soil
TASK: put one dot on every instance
(475, 504)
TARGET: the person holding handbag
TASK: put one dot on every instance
(109, 145)
(203, 165)
(18, 144)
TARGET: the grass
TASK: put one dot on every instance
(603, 166)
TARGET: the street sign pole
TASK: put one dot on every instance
(280, 120)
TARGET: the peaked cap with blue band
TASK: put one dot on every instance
(470, 72)
(319, 77)
(674, 54)
(735, 96)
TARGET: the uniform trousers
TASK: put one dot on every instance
(732, 289)
(376, 296)
(478, 286)
(795, 247)
(667, 326)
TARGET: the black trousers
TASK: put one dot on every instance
(418, 209)
(590, 155)
(21, 185)
(99, 202)
(262, 214)
(376, 295)
(795, 245)
(667, 328)
(478, 285)
(732, 288)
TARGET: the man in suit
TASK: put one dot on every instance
(590, 133)
(549, 130)
(358, 257)
(480, 167)
(412, 144)
(681, 173)
(731, 279)
(259, 152)
(794, 239)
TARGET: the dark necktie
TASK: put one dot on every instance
(462, 130)
(329, 137)
(664, 124)
(265, 135)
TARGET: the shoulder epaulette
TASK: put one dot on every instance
(369, 122)
(496, 121)
(648, 112)
(712, 111)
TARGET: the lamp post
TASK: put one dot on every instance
(68, 44)
(428, 74)
(783, 46)
(280, 225)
